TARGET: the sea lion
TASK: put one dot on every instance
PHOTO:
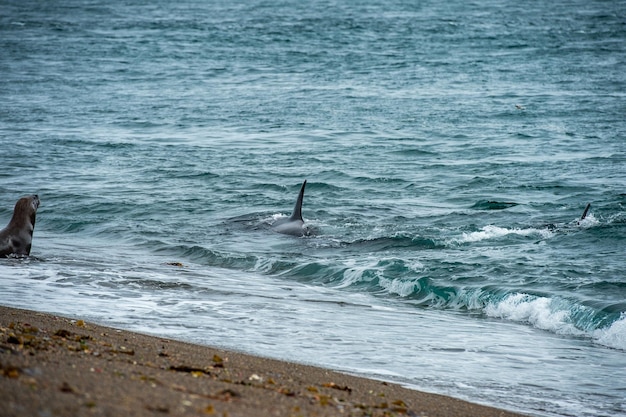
(293, 225)
(17, 237)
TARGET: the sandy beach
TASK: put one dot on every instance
(58, 366)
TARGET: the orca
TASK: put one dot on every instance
(565, 227)
(585, 212)
(294, 224)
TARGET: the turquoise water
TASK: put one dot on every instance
(449, 148)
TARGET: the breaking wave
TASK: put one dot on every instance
(495, 232)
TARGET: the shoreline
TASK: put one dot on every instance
(56, 366)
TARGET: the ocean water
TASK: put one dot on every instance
(449, 148)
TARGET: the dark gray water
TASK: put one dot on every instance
(450, 149)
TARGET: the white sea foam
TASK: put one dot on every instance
(588, 222)
(613, 336)
(494, 232)
(543, 313)
(264, 264)
(540, 312)
(352, 276)
(403, 288)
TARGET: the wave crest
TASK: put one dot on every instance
(537, 311)
(495, 232)
(613, 336)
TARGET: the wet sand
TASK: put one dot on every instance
(57, 366)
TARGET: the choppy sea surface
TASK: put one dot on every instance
(449, 147)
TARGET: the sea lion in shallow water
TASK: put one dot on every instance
(293, 225)
(17, 237)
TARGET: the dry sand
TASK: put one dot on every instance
(55, 366)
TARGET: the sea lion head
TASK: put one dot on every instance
(25, 211)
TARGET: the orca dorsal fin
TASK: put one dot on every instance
(585, 212)
(297, 210)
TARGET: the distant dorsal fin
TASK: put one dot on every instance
(585, 212)
(297, 210)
